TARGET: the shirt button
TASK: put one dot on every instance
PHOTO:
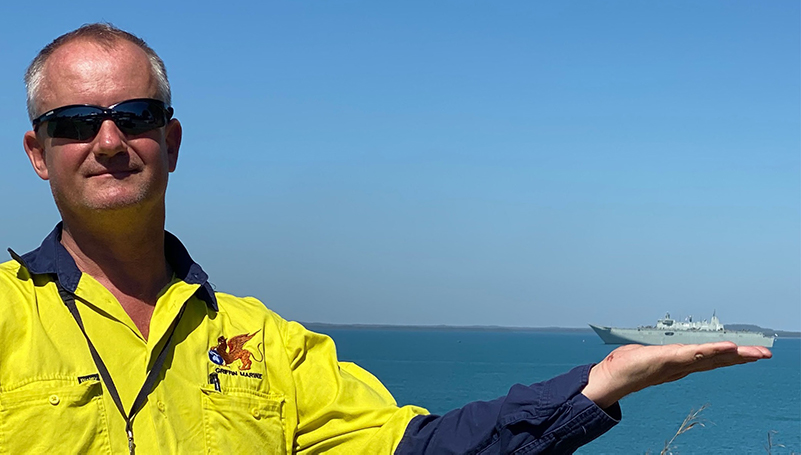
(161, 406)
(256, 413)
(54, 399)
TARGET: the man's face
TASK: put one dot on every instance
(112, 170)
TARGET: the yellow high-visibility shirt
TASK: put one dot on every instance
(237, 378)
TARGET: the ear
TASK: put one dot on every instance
(172, 137)
(35, 150)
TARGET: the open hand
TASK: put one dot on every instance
(631, 368)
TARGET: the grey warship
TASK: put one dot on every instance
(668, 331)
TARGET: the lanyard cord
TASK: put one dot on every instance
(141, 397)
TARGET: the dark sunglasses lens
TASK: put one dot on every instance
(139, 116)
(78, 123)
(131, 117)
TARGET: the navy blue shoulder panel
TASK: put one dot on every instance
(52, 258)
(547, 417)
(188, 270)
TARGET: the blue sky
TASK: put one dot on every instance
(468, 163)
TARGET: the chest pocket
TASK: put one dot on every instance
(54, 419)
(243, 421)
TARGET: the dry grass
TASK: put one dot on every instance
(772, 445)
(693, 419)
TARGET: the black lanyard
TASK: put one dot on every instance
(141, 397)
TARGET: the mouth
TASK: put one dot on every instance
(114, 173)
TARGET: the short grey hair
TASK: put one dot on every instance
(105, 35)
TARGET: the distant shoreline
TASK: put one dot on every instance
(495, 328)
(448, 328)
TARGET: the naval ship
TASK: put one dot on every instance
(668, 331)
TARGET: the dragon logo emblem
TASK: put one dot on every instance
(229, 351)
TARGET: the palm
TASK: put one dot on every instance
(631, 368)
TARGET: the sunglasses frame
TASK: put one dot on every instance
(103, 114)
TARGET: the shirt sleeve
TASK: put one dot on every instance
(547, 417)
(341, 408)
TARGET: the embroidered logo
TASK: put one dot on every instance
(229, 351)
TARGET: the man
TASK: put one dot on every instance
(115, 341)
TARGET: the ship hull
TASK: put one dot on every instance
(611, 335)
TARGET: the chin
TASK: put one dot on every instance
(111, 198)
(117, 202)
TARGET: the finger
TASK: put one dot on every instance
(683, 360)
(743, 354)
(719, 347)
(724, 360)
(677, 354)
(750, 353)
(755, 352)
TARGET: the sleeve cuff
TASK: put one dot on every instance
(584, 420)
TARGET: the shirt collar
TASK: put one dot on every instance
(51, 257)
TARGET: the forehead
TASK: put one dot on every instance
(84, 72)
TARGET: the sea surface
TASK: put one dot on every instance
(445, 369)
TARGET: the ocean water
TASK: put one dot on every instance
(445, 369)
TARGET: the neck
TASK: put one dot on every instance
(125, 254)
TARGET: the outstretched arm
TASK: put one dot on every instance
(559, 415)
(631, 368)
(550, 417)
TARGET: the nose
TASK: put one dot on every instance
(109, 140)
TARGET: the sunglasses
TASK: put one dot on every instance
(81, 122)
